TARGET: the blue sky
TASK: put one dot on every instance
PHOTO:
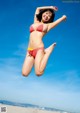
(59, 87)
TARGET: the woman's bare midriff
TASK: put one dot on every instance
(36, 40)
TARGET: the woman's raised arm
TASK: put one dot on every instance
(55, 23)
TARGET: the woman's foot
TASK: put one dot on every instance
(50, 48)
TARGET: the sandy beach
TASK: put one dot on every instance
(16, 109)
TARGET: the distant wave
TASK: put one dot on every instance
(31, 105)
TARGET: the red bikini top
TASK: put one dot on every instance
(39, 28)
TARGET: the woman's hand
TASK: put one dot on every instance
(64, 17)
(54, 8)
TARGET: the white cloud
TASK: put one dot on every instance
(22, 49)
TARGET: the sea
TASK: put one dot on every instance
(32, 106)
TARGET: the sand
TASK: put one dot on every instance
(17, 109)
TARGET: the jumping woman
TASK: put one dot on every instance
(37, 55)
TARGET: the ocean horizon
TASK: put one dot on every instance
(32, 106)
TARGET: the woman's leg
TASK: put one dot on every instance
(28, 64)
(42, 58)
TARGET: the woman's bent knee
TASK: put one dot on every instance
(39, 73)
(25, 74)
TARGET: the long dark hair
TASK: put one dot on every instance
(39, 16)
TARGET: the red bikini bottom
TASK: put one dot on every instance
(33, 52)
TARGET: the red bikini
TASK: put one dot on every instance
(31, 51)
(34, 51)
(39, 28)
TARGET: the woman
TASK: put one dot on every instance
(36, 54)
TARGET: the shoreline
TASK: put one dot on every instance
(18, 109)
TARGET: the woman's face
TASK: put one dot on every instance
(46, 16)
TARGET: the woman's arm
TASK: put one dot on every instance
(45, 7)
(48, 7)
(53, 24)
